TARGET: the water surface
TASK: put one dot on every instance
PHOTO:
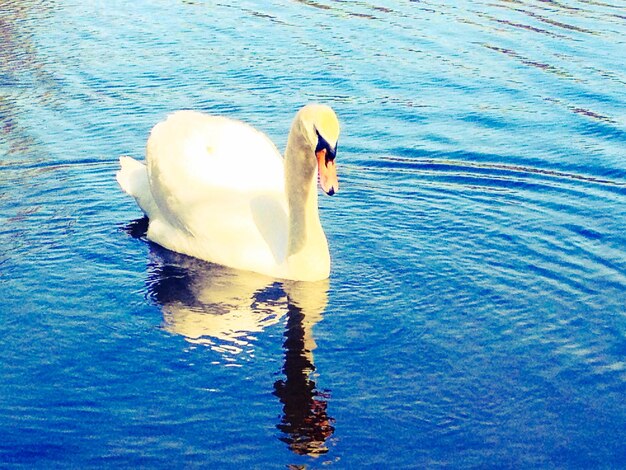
(475, 312)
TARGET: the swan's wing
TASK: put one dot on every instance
(212, 151)
(207, 176)
(209, 163)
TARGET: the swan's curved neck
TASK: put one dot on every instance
(307, 248)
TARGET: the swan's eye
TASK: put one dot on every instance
(322, 144)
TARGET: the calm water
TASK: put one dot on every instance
(475, 315)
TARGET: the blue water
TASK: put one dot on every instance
(475, 315)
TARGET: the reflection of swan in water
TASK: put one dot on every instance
(305, 421)
(211, 304)
(224, 308)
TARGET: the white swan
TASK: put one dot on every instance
(217, 189)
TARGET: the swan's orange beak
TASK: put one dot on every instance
(328, 173)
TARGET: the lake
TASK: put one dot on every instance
(475, 314)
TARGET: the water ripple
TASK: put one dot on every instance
(475, 312)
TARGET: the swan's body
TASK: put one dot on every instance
(217, 189)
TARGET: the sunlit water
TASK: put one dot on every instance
(475, 315)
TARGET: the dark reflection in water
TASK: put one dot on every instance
(305, 422)
(223, 308)
(137, 228)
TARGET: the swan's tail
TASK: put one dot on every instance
(133, 178)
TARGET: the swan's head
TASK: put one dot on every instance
(322, 129)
